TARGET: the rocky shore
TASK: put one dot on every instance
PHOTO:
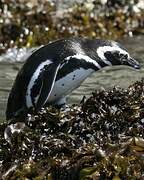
(32, 23)
(101, 138)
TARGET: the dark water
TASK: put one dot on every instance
(106, 78)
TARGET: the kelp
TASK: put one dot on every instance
(100, 138)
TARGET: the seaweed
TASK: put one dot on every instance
(32, 23)
(101, 138)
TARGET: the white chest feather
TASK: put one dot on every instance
(68, 83)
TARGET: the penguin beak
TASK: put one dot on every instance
(132, 62)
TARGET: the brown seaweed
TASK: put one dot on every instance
(32, 23)
(102, 138)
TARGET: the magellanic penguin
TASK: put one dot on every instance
(53, 71)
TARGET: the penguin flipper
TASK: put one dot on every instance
(47, 83)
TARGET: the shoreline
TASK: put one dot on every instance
(30, 24)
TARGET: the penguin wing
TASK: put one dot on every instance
(45, 83)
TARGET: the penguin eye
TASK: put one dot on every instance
(116, 53)
(121, 55)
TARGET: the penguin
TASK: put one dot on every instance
(53, 71)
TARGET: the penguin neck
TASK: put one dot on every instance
(102, 63)
(92, 53)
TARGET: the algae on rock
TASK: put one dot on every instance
(102, 138)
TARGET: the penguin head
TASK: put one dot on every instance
(116, 54)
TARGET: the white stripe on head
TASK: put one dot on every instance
(101, 51)
(85, 58)
(32, 82)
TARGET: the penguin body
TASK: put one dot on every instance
(55, 70)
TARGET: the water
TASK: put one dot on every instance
(108, 77)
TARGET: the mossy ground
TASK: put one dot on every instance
(101, 138)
